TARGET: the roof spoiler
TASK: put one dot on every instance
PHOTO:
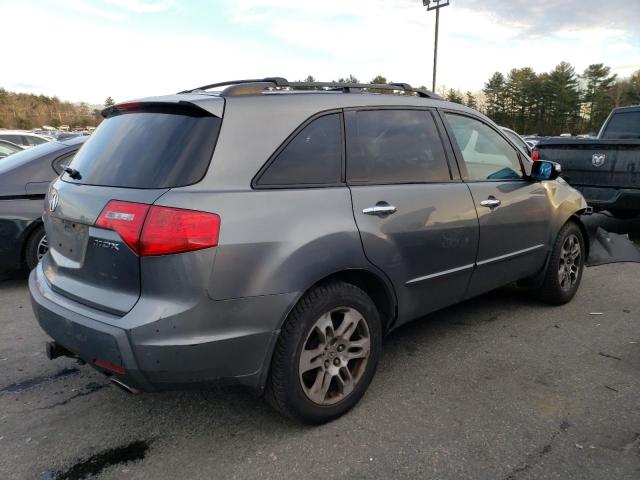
(257, 86)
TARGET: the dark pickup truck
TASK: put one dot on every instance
(606, 169)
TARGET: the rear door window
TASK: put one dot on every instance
(394, 146)
(153, 146)
(312, 157)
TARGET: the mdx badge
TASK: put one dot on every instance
(106, 244)
(598, 159)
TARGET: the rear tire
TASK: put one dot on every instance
(326, 355)
(564, 272)
(35, 248)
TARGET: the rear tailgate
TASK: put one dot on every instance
(89, 264)
(138, 153)
(596, 163)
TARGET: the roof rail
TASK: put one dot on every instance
(256, 86)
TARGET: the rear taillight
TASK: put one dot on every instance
(535, 154)
(126, 219)
(154, 230)
(174, 230)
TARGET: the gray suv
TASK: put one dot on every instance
(270, 233)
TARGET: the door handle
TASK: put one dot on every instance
(380, 209)
(491, 202)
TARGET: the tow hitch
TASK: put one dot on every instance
(55, 350)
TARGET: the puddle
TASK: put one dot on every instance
(34, 382)
(93, 465)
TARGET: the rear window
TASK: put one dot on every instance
(160, 148)
(623, 125)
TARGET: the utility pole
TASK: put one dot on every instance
(435, 5)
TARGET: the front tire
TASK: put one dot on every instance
(326, 355)
(564, 272)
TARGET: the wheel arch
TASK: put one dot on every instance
(585, 233)
(376, 286)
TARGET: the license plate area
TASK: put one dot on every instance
(68, 238)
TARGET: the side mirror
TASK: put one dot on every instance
(545, 170)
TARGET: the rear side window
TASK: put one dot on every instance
(394, 146)
(623, 125)
(313, 157)
(152, 147)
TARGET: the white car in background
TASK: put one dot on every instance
(23, 138)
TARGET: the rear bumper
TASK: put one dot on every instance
(157, 355)
(607, 198)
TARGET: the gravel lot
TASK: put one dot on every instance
(500, 387)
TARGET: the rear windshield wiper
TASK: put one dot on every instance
(73, 173)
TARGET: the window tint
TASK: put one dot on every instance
(162, 148)
(487, 156)
(394, 146)
(30, 140)
(623, 125)
(314, 156)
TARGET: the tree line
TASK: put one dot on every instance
(558, 101)
(27, 111)
(547, 103)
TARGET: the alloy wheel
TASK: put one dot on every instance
(43, 248)
(570, 262)
(334, 356)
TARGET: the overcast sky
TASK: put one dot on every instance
(85, 50)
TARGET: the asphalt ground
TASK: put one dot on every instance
(499, 387)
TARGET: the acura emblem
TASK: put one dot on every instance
(598, 159)
(53, 200)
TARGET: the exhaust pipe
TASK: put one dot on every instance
(123, 386)
(55, 350)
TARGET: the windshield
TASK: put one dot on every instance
(515, 138)
(25, 156)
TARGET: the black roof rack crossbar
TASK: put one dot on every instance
(254, 86)
(274, 80)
